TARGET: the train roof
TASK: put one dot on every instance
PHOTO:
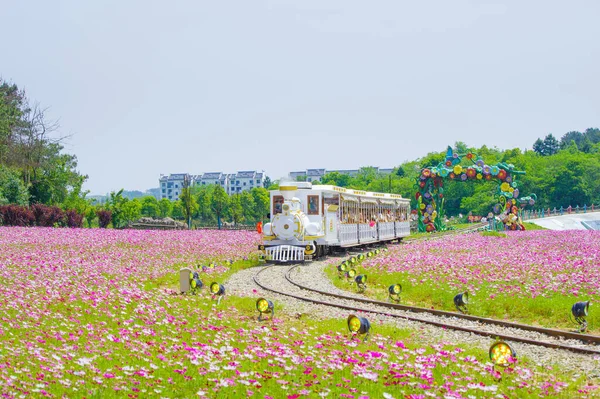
(344, 191)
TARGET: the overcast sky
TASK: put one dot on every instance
(151, 87)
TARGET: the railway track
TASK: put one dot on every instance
(512, 332)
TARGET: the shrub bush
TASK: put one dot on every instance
(15, 215)
(48, 216)
(104, 218)
(73, 218)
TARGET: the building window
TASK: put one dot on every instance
(170, 185)
(176, 193)
(258, 181)
(313, 204)
(164, 191)
(244, 183)
(176, 185)
(308, 179)
(164, 184)
(237, 182)
(277, 204)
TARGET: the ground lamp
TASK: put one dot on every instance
(502, 354)
(342, 267)
(369, 254)
(377, 252)
(394, 291)
(361, 282)
(218, 291)
(461, 300)
(195, 282)
(351, 273)
(359, 325)
(264, 306)
(353, 260)
(361, 256)
(580, 312)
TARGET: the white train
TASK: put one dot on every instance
(309, 221)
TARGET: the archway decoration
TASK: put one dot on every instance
(430, 189)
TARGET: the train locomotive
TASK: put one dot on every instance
(308, 222)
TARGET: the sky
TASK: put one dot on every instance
(146, 87)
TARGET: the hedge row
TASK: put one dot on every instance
(39, 215)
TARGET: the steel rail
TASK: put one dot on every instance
(430, 322)
(586, 338)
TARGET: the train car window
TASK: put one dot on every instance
(277, 204)
(313, 204)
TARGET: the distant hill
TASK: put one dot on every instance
(155, 192)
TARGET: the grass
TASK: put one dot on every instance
(549, 312)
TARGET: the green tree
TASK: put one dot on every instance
(165, 207)
(150, 206)
(190, 206)
(132, 210)
(12, 189)
(219, 203)
(115, 204)
(235, 209)
(261, 202)
(177, 212)
(248, 207)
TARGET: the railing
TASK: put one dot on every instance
(284, 253)
(402, 229)
(528, 214)
(366, 233)
(348, 234)
(386, 230)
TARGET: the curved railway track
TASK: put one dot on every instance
(443, 319)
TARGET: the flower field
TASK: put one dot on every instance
(85, 313)
(532, 276)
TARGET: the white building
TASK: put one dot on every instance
(171, 185)
(312, 175)
(245, 181)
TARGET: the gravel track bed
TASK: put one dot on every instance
(312, 275)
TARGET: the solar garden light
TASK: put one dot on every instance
(361, 282)
(353, 260)
(359, 325)
(502, 354)
(394, 291)
(361, 257)
(265, 306)
(217, 290)
(580, 312)
(461, 300)
(377, 251)
(369, 254)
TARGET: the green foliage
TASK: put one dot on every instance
(150, 206)
(165, 208)
(12, 189)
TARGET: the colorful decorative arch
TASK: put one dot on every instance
(430, 189)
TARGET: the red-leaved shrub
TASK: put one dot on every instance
(73, 218)
(15, 215)
(48, 216)
(104, 217)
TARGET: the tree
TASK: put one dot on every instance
(247, 204)
(132, 210)
(219, 203)
(12, 189)
(235, 209)
(190, 206)
(400, 171)
(262, 202)
(150, 206)
(538, 147)
(115, 205)
(165, 207)
(575, 136)
(267, 182)
(549, 146)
